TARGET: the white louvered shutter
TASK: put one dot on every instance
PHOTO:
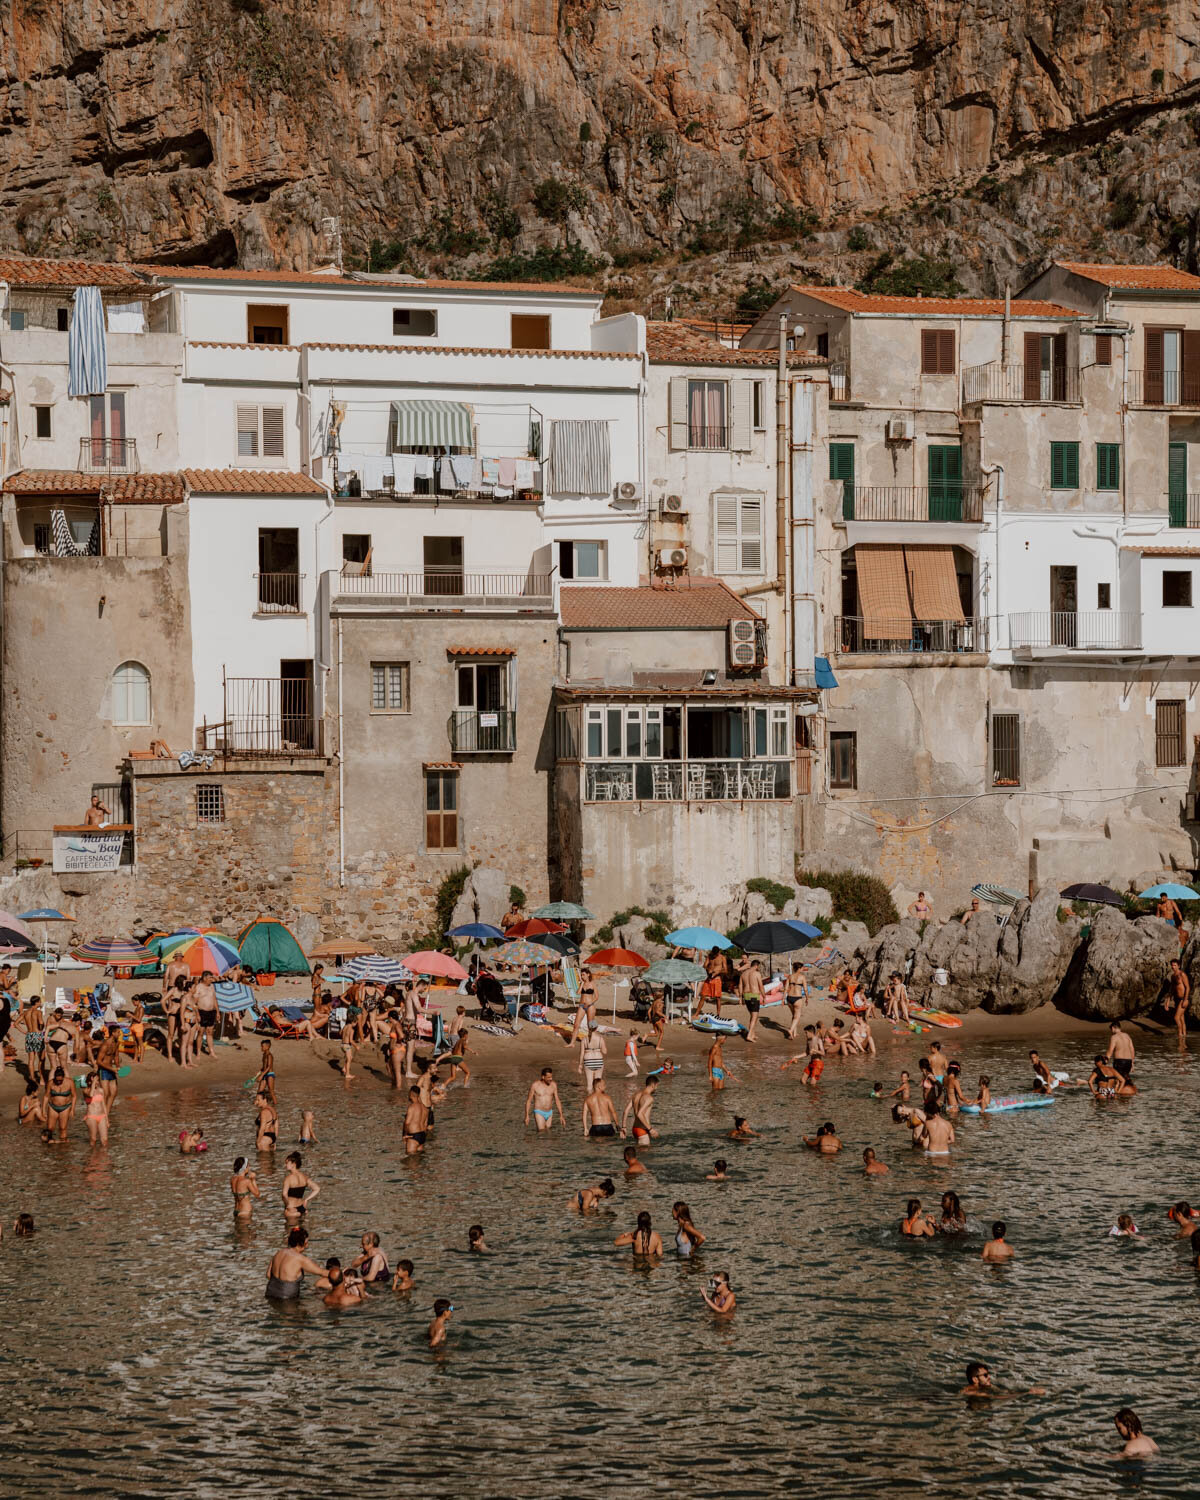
(678, 413)
(247, 432)
(726, 508)
(739, 437)
(751, 535)
(272, 431)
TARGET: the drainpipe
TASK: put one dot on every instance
(1005, 331)
(781, 492)
(998, 470)
(1125, 337)
(341, 769)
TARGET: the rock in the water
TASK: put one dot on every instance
(1035, 952)
(1119, 969)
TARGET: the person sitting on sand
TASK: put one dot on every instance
(997, 1248)
(915, 1224)
(872, 1167)
(1129, 1429)
(588, 1200)
(895, 998)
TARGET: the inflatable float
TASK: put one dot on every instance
(935, 1017)
(1005, 1102)
(724, 1024)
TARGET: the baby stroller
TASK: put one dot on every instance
(489, 992)
(639, 993)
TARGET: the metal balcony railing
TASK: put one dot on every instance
(702, 435)
(939, 502)
(264, 716)
(1183, 510)
(690, 781)
(1072, 630)
(913, 636)
(481, 731)
(108, 455)
(279, 593)
(434, 587)
(997, 382)
(1163, 388)
(839, 381)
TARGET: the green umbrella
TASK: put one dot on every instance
(565, 911)
(674, 971)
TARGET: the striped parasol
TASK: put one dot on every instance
(524, 954)
(119, 952)
(201, 948)
(233, 997)
(998, 895)
(373, 966)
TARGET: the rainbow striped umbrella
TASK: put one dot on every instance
(116, 952)
(200, 948)
(523, 954)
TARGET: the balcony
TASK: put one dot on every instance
(958, 637)
(839, 381)
(435, 589)
(476, 731)
(278, 593)
(940, 502)
(688, 781)
(1183, 510)
(108, 455)
(707, 438)
(264, 717)
(1095, 631)
(997, 382)
(1163, 388)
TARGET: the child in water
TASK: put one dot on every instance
(402, 1281)
(307, 1135)
(719, 1172)
(1125, 1228)
(441, 1317)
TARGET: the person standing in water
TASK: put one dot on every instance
(750, 988)
(997, 1248)
(1121, 1051)
(298, 1189)
(542, 1100)
(719, 1294)
(1179, 991)
(96, 1115)
(644, 1241)
(244, 1187)
(599, 1112)
(641, 1107)
(716, 1065)
(58, 1104)
(1129, 1428)
(797, 996)
(442, 1310)
(288, 1267)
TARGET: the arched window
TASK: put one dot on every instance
(131, 694)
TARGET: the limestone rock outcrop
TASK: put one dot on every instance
(1118, 971)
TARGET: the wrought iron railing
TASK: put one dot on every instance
(938, 502)
(997, 382)
(279, 593)
(1072, 630)
(480, 731)
(264, 716)
(1183, 509)
(704, 435)
(839, 381)
(101, 455)
(688, 781)
(1163, 388)
(435, 587)
(874, 636)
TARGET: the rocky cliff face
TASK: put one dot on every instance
(227, 130)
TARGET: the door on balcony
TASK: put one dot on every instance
(1177, 484)
(1045, 367)
(278, 570)
(945, 482)
(443, 565)
(841, 466)
(106, 442)
(296, 704)
(482, 720)
(1064, 606)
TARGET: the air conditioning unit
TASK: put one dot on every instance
(672, 504)
(741, 643)
(629, 490)
(672, 557)
(901, 430)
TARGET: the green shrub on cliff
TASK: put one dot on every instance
(856, 898)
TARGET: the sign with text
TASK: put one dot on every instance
(77, 853)
(489, 721)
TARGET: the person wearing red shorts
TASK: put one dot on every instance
(813, 1057)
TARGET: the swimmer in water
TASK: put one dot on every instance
(719, 1295)
(641, 1106)
(871, 1166)
(997, 1248)
(599, 1112)
(741, 1131)
(915, 1224)
(720, 1171)
(717, 1073)
(984, 1097)
(1195, 1248)
(402, 1281)
(344, 1292)
(191, 1142)
(904, 1092)
(633, 1167)
(687, 1236)
(588, 1200)
(244, 1187)
(298, 1189)
(937, 1135)
(1129, 1429)
(1183, 1214)
(23, 1227)
(307, 1133)
(979, 1383)
(953, 1220)
(954, 1094)
(825, 1141)
(371, 1264)
(476, 1245)
(644, 1241)
(288, 1267)
(1125, 1228)
(416, 1122)
(442, 1310)
(542, 1100)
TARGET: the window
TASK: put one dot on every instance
(16, 320)
(414, 322)
(441, 809)
(266, 325)
(1172, 366)
(389, 687)
(1006, 749)
(482, 685)
(107, 432)
(758, 405)
(708, 414)
(1177, 589)
(1104, 348)
(1108, 466)
(210, 802)
(356, 553)
(259, 431)
(841, 466)
(1104, 596)
(937, 351)
(530, 331)
(131, 694)
(1168, 732)
(1064, 466)
(41, 421)
(843, 760)
(583, 560)
(62, 319)
(41, 538)
(737, 530)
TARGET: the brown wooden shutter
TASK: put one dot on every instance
(945, 340)
(1058, 379)
(1191, 366)
(1104, 348)
(929, 351)
(1153, 375)
(1169, 732)
(1033, 366)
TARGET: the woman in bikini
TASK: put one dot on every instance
(244, 1187)
(59, 1102)
(797, 996)
(298, 1189)
(592, 1051)
(137, 1030)
(645, 1242)
(717, 1074)
(96, 1115)
(687, 1236)
(29, 1110)
(372, 1264)
(915, 1224)
(588, 1200)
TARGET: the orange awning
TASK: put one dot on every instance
(933, 583)
(883, 593)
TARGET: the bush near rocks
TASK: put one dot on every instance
(856, 897)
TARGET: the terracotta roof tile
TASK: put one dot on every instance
(268, 277)
(441, 765)
(31, 271)
(250, 482)
(851, 300)
(481, 349)
(694, 604)
(124, 489)
(739, 690)
(1164, 551)
(1135, 278)
(673, 344)
(481, 651)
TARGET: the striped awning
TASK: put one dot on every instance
(883, 593)
(933, 582)
(433, 424)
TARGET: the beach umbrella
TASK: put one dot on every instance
(523, 953)
(14, 933)
(674, 971)
(375, 967)
(534, 927)
(774, 937)
(806, 929)
(998, 895)
(267, 947)
(1176, 892)
(232, 997)
(698, 937)
(482, 932)
(339, 948)
(561, 943)
(565, 911)
(1100, 895)
(201, 948)
(44, 915)
(117, 952)
(436, 965)
(618, 958)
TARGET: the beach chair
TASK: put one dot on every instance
(440, 1042)
(571, 981)
(281, 1021)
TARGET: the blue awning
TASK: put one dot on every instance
(824, 673)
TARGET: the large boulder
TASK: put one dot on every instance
(888, 952)
(484, 897)
(1119, 969)
(1035, 952)
(632, 935)
(851, 938)
(809, 903)
(967, 955)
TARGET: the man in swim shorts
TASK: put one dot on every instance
(1121, 1050)
(108, 1060)
(416, 1123)
(599, 1112)
(937, 1136)
(641, 1106)
(813, 1057)
(542, 1099)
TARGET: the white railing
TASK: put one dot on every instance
(1072, 630)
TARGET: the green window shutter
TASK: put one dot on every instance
(1056, 466)
(1071, 468)
(1064, 466)
(1108, 466)
(841, 466)
(945, 482)
(1177, 483)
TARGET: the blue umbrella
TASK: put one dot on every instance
(231, 997)
(1176, 892)
(483, 931)
(806, 928)
(698, 937)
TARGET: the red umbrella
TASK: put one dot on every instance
(619, 958)
(534, 927)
